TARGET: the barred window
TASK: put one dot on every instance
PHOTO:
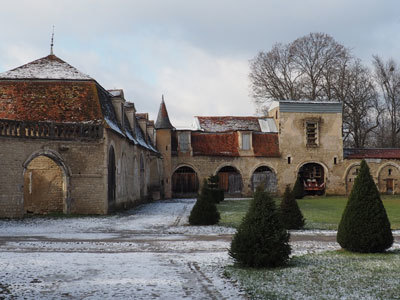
(312, 133)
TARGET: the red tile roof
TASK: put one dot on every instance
(372, 153)
(229, 123)
(215, 144)
(227, 144)
(266, 144)
(42, 100)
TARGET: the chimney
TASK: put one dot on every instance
(130, 112)
(150, 131)
(118, 102)
(142, 119)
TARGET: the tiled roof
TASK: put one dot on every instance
(228, 123)
(215, 144)
(49, 67)
(371, 153)
(163, 121)
(227, 144)
(57, 101)
(266, 144)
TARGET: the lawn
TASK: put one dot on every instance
(328, 275)
(320, 212)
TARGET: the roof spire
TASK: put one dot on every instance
(163, 121)
(52, 42)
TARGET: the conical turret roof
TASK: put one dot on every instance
(163, 121)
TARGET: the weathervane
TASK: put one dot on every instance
(52, 42)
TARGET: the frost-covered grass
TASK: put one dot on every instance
(320, 212)
(328, 275)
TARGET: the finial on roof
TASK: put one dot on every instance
(162, 97)
(52, 42)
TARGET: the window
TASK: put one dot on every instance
(312, 134)
(246, 141)
(184, 141)
(390, 172)
(289, 160)
(334, 160)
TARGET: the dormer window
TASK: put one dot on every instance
(184, 141)
(246, 141)
(312, 133)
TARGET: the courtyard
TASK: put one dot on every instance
(146, 253)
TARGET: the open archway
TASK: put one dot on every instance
(230, 180)
(45, 186)
(266, 177)
(312, 175)
(185, 181)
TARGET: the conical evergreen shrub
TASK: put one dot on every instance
(298, 189)
(261, 239)
(364, 226)
(292, 218)
(216, 193)
(204, 212)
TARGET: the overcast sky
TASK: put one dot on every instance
(196, 53)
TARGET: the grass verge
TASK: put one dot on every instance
(320, 212)
(329, 275)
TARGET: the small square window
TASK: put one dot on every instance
(289, 160)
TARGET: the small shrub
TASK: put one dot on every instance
(292, 218)
(205, 211)
(364, 226)
(215, 193)
(261, 239)
(298, 189)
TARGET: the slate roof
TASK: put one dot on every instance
(163, 121)
(371, 153)
(49, 67)
(233, 123)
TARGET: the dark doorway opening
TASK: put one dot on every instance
(266, 177)
(184, 182)
(230, 180)
(111, 179)
(313, 178)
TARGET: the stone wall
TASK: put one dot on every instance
(81, 164)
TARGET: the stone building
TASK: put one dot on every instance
(67, 145)
(295, 139)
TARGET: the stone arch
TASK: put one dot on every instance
(185, 180)
(265, 175)
(46, 183)
(350, 175)
(111, 178)
(314, 176)
(388, 176)
(230, 179)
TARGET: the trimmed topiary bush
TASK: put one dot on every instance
(292, 218)
(364, 226)
(261, 239)
(205, 211)
(298, 189)
(216, 193)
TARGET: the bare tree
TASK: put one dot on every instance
(387, 76)
(361, 109)
(307, 68)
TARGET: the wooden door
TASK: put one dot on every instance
(389, 186)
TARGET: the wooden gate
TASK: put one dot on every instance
(230, 180)
(389, 186)
(184, 181)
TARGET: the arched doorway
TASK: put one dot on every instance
(230, 180)
(351, 177)
(313, 177)
(264, 176)
(388, 179)
(111, 179)
(184, 181)
(45, 187)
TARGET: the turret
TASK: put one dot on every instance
(163, 128)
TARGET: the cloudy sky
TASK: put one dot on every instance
(194, 52)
